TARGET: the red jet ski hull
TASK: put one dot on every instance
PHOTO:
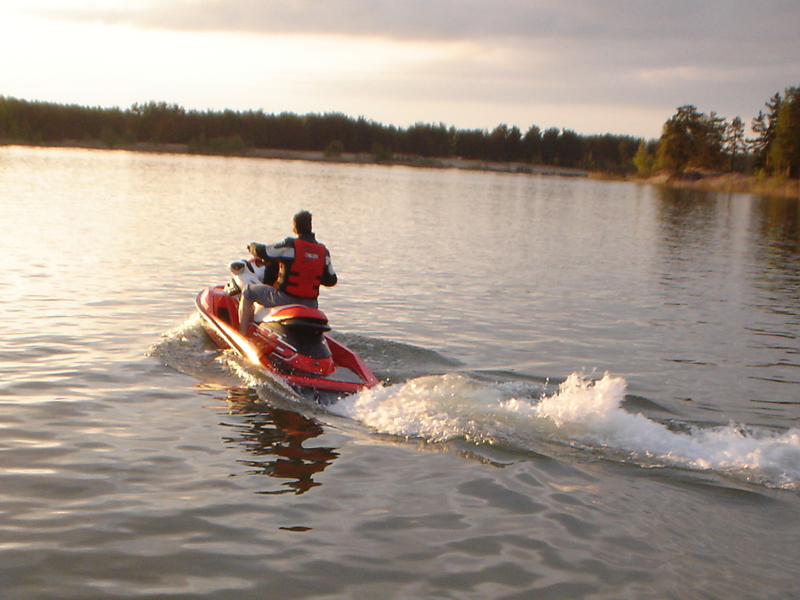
(332, 368)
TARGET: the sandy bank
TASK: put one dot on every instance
(732, 183)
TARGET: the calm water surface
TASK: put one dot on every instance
(592, 389)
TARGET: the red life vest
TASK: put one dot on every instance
(302, 276)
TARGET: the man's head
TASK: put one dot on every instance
(302, 222)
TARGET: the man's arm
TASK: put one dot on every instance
(281, 250)
(329, 278)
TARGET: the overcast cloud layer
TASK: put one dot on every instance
(727, 56)
(728, 21)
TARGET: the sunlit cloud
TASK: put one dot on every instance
(677, 20)
(470, 63)
(666, 76)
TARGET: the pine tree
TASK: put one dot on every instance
(764, 126)
(643, 160)
(691, 139)
(735, 143)
(784, 151)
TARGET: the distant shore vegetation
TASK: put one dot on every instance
(333, 134)
(693, 145)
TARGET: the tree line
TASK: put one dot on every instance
(690, 139)
(332, 133)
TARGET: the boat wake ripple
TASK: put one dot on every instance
(424, 397)
(583, 414)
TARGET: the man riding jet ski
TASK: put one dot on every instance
(288, 337)
(296, 267)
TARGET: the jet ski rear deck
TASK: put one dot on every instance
(289, 342)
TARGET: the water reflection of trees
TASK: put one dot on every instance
(729, 275)
(690, 215)
(690, 222)
(733, 260)
(275, 438)
(777, 224)
(687, 223)
(685, 214)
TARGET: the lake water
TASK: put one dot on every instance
(591, 389)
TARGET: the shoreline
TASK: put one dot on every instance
(317, 156)
(712, 182)
(730, 183)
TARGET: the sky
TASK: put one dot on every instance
(592, 66)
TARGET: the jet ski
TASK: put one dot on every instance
(289, 342)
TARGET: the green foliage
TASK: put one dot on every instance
(611, 153)
(230, 132)
(644, 160)
(5, 118)
(505, 144)
(334, 150)
(108, 137)
(691, 139)
(470, 144)
(428, 141)
(764, 127)
(784, 152)
(735, 144)
(565, 148)
(532, 145)
(380, 153)
(776, 147)
(231, 144)
(128, 137)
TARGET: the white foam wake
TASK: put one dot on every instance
(592, 414)
(589, 414)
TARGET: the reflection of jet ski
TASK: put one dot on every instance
(276, 437)
(289, 342)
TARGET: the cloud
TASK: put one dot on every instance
(728, 56)
(677, 20)
(609, 34)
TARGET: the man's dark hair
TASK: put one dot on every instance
(302, 222)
